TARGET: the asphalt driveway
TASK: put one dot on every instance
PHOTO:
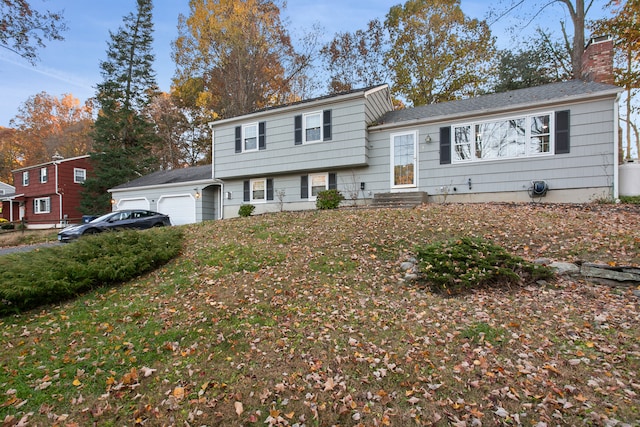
(26, 248)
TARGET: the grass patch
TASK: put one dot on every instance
(482, 332)
(298, 338)
(27, 237)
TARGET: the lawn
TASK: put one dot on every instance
(302, 319)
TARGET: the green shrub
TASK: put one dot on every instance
(329, 199)
(459, 265)
(55, 274)
(7, 226)
(246, 210)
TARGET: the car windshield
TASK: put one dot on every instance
(105, 217)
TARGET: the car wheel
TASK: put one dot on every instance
(158, 224)
(90, 231)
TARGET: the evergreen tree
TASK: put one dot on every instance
(123, 136)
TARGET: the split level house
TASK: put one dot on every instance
(47, 195)
(553, 143)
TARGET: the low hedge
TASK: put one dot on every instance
(55, 274)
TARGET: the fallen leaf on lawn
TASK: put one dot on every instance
(147, 371)
(178, 393)
(239, 408)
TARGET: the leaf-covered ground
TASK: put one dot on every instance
(300, 319)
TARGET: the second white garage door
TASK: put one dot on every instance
(180, 208)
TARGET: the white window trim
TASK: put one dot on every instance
(256, 126)
(44, 176)
(415, 156)
(251, 182)
(25, 178)
(527, 137)
(75, 176)
(310, 184)
(36, 205)
(304, 127)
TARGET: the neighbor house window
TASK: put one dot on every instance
(503, 139)
(25, 178)
(42, 205)
(43, 175)
(79, 175)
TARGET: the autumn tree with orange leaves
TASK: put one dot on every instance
(233, 57)
(45, 125)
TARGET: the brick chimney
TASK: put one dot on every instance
(597, 60)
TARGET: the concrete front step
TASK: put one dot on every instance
(399, 200)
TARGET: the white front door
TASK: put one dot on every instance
(404, 160)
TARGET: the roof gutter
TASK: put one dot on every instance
(172, 185)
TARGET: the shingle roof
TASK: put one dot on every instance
(173, 176)
(498, 101)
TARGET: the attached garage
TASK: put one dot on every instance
(181, 208)
(187, 195)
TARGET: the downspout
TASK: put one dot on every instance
(213, 171)
(55, 164)
(616, 112)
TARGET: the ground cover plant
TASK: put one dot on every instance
(302, 319)
(464, 264)
(54, 274)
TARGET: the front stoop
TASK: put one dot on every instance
(399, 200)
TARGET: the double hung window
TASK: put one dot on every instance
(79, 175)
(42, 205)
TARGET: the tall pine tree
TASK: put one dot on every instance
(122, 135)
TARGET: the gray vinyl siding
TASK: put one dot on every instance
(589, 164)
(378, 103)
(347, 147)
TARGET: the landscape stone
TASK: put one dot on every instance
(611, 273)
(565, 268)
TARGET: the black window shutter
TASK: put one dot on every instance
(238, 139)
(269, 189)
(445, 145)
(297, 125)
(304, 187)
(247, 191)
(262, 140)
(326, 125)
(562, 132)
(333, 182)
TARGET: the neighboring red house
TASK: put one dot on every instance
(5, 202)
(48, 194)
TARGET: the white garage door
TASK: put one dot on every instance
(134, 203)
(180, 208)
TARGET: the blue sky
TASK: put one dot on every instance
(72, 66)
